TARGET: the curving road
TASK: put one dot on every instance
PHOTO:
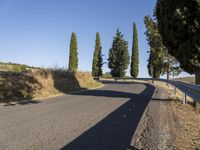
(101, 119)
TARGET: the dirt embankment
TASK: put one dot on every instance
(15, 86)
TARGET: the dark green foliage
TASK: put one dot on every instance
(119, 58)
(155, 65)
(134, 59)
(179, 25)
(160, 61)
(97, 58)
(73, 56)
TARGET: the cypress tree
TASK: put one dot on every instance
(134, 59)
(119, 58)
(155, 65)
(97, 58)
(160, 62)
(179, 25)
(73, 55)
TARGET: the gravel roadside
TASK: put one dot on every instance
(154, 130)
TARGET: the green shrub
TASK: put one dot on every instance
(19, 68)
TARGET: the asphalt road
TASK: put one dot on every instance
(101, 119)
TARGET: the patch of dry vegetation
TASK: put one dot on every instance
(185, 125)
(190, 80)
(42, 83)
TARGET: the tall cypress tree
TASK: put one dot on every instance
(97, 58)
(134, 59)
(119, 58)
(73, 55)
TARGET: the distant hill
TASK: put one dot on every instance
(190, 80)
(15, 67)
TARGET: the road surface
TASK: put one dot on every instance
(101, 119)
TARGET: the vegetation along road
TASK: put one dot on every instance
(104, 118)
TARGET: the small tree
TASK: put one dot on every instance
(171, 65)
(119, 58)
(97, 58)
(73, 55)
(134, 59)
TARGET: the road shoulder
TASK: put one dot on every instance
(154, 130)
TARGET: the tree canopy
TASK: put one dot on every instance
(179, 25)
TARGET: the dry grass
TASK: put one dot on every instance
(185, 125)
(85, 80)
(42, 83)
(186, 79)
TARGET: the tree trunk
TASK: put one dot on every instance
(167, 75)
(168, 67)
(197, 81)
(197, 77)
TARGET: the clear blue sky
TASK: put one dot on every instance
(37, 32)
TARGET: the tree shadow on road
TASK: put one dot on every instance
(115, 131)
(114, 93)
(105, 93)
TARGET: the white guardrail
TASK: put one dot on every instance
(191, 90)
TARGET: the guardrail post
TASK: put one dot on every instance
(197, 107)
(96, 78)
(174, 90)
(167, 84)
(184, 99)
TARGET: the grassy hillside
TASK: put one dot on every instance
(39, 83)
(190, 80)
